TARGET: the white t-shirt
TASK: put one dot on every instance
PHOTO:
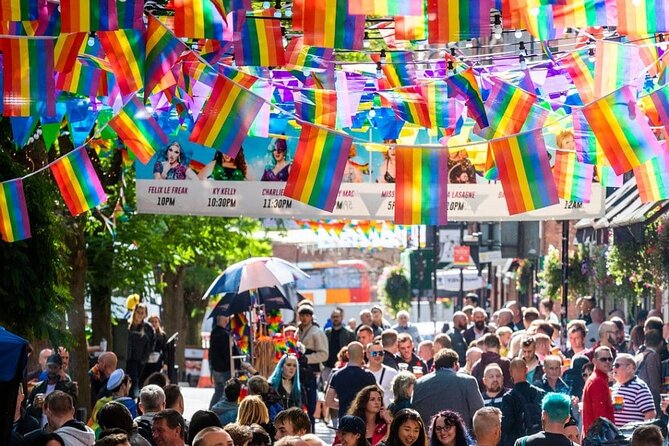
(384, 377)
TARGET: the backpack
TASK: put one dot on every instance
(531, 413)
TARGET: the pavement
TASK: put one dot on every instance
(198, 399)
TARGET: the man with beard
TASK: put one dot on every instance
(493, 380)
(53, 381)
(476, 331)
(607, 331)
(491, 355)
(621, 342)
(457, 340)
(338, 336)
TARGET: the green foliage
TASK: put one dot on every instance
(550, 277)
(395, 289)
(524, 276)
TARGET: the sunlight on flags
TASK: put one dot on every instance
(385, 7)
(327, 24)
(444, 111)
(130, 14)
(318, 168)
(139, 130)
(408, 106)
(259, 41)
(507, 109)
(660, 101)
(642, 17)
(398, 67)
(455, 20)
(125, 50)
(582, 73)
(608, 178)
(78, 182)
(162, 52)
(68, 47)
(652, 178)
(317, 107)
(421, 186)
(19, 10)
(14, 220)
(305, 58)
(588, 149)
(584, 13)
(572, 178)
(88, 15)
(86, 77)
(199, 19)
(616, 64)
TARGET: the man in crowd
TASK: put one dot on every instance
(521, 406)
(151, 401)
(576, 331)
(213, 436)
(441, 340)
(505, 318)
(621, 342)
(607, 331)
(40, 373)
(587, 304)
(491, 355)
(457, 340)
(382, 373)
(597, 316)
(99, 375)
(638, 404)
(348, 381)
(476, 331)
(365, 319)
(404, 326)
(54, 381)
(316, 351)
(555, 413)
(406, 354)
(552, 380)
(426, 353)
(493, 381)
(517, 311)
(228, 407)
(291, 422)
(445, 388)
(649, 363)
(65, 370)
(60, 415)
(488, 426)
(378, 322)
(338, 336)
(219, 357)
(169, 428)
(365, 335)
(596, 394)
(390, 348)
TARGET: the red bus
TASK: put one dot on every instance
(345, 281)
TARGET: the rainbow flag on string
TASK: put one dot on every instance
(302, 56)
(588, 149)
(616, 65)
(162, 52)
(455, 20)
(573, 179)
(525, 172)
(125, 50)
(27, 77)
(409, 106)
(584, 13)
(84, 80)
(537, 117)
(244, 79)
(660, 101)
(608, 178)
(14, 221)
(642, 17)
(68, 47)
(259, 41)
(317, 107)
(140, 132)
(463, 85)
(444, 111)
(537, 18)
(652, 179)
(385, 7)
(507, 109)
(621, 128)
(19, 10)
(328, 24)
(78, 182)
(88, 15)
(199, 19)
(421, 186)
(130, 14)
(318, 168)
(582, 73)
(398, 67)
(226, 117)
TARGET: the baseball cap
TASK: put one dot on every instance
(352, 424)
(115, 379)
(56, 359)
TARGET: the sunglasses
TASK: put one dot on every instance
(374, 354)
(606, 359)
(619, 364)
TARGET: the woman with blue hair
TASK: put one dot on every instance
(172, 164)
(286, 380)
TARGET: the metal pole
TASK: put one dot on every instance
(565, 279)
(435, 263)
(461, 296)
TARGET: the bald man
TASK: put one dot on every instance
(212, 436)
(100, 374)
(348, 381)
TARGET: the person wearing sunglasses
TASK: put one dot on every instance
(384, 375)
(597, 394)
(638, 402)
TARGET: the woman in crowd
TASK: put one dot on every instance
(157, 357)
(172, 164)
(407, 429)
(278, 167)
(368, 405)
(402, 385)
(141, 339)
(351, 432)
(448, 429)
(253, 410)
(286, 381)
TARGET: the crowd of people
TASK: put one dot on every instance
(507, 379)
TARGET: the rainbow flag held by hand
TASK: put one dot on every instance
(199, 19)
(328, 24)
(421, 186)
(621, 128)
(525, 172)
(14, 221)
(652, 179)
(318, 168)
(317, 107)
(125, 50)
(259, 41)
(463, 85)
(455, 20)
(88, 15)
(409, 106)
(140, 131)
(507, 109)
(162, 52)
(573, 179)
(398, 68)
(226, 117)
(78, 182)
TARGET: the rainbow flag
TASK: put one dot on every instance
(19, 10)
(608, 178)
(616, 65)
(507, 109)
(584, 13)
(385, 7)
(27, 77)
(259, 41)
(652, 179)
(328, 24)
(536, 117)
(642, 17)
(398, 67)
(621, 128)
(463, 85)
(537, 18)
(582, 73)
(88, 15)
(199, 19)
(138, 130)
(444, 111)
(78, 182)
(525, 172)
(130, 14)
(317, 107)
(588, 149)
(68, 47)
(226, 117)
(318, 168)
(162, 52)
(84, 80)
(573, 179)
(409, 106)
(14, 221)
(455, 20)
(125, 50)
(411, 27)
(421, 186)
(302, 56)
(660, 101)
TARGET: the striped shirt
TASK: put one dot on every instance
(638, 401)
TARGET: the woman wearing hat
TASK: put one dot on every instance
(351, 432)
(279, 166)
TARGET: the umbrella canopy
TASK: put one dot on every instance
(253, 273)
(12, 354)
(232, 303)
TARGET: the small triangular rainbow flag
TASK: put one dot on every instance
(78, 182)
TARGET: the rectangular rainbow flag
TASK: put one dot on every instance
(582, 73)
(621, 128)
(642, 17)
(14, 221)
(584, 13)
(398, 67)
(86, 77)
(411, 27)
(88, 15)
(409, 106)
(130, 14)
(327, 24)
(318, 168)
(537, 18)
(652, 179)
(226, 117)
(507, 109)
(660, 100)
(536, 117)
(444, 111)
(608, 178)
(140, 132)
(317, 107)
(421, 186)
(78, 182)
(162, 52)
(385, 7)
(68, 47)
(573, 179)
(259, 41)
(19, 10)
(455, 20)
(27, 77)
(463, 85)
(126, 51)
(525, 172)
(616, 64)
(199, 19)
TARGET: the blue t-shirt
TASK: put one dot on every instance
(347, 382)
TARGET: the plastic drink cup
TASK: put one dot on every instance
(566, 362)
(618, 403)
(403, 367)
(418, 371)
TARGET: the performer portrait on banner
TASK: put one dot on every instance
(225, 168)
(389, 164)
(278, 167)
(172, 164)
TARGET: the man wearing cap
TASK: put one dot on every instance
(118, 385)
(351, 429)
(53, 381)
(315, 345)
